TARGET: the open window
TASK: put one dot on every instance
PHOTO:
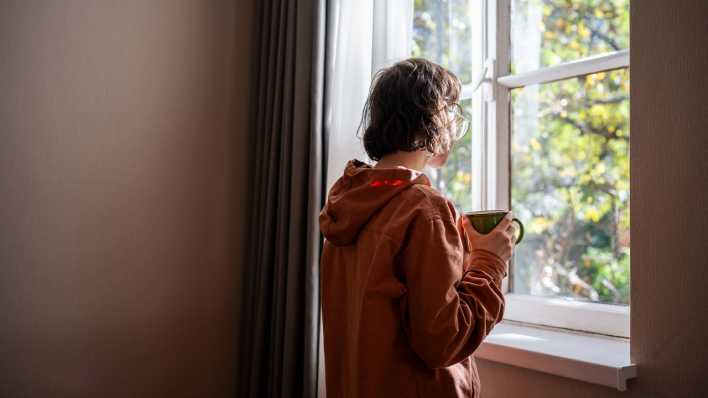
(546, 83)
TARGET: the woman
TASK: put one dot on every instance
(409, 288)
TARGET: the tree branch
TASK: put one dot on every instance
(606, 101)
(584, 128)
(594, 32)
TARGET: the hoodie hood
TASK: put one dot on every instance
(359, 194)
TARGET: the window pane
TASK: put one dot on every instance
(550, 32)
(454, 180)
(570, 186)
(442, 33)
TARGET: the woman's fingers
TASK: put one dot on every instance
(501, 240)
(505, 223)
(510, 238)
(471, 232)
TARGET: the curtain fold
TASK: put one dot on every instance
(348, 66)
(392, 32)
(281, 325)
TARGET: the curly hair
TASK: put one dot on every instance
(406, 108)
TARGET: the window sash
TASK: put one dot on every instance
(581, 67)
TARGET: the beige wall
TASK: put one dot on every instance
(123, 156)
(669, 166)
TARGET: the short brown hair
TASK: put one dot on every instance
(406, 108)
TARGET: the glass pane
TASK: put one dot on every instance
(550, 32)
(570, 186)
(454, 180)
(442, 33)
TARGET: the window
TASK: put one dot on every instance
(547, 85)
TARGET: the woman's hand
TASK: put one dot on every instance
(499, 241)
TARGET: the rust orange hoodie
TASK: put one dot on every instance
(404, 301)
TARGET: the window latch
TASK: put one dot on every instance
(489, 65)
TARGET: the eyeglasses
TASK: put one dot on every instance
(460, 119)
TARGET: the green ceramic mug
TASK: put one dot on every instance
(485, 221)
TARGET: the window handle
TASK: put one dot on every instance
(489, 64)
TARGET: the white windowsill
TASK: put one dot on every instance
(593, 359)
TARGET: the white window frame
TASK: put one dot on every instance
(491, 114)
(490, 92)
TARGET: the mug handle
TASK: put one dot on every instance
(521, 230)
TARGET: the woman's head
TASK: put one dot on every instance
(412, 106)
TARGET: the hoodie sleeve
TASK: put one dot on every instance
(450, 306)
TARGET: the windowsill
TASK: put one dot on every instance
(589, 358)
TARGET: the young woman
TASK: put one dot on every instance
(409, 288)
